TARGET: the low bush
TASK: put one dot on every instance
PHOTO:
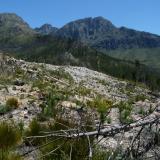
(33, 130)
(141, 97)
(3, 109)
(9, 137)
(13, 156)
(125, 109)
(12, 103)
(101, 105)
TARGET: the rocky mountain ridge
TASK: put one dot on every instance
(101, 34)
(98, 33)
(46, 29)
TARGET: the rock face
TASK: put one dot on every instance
(88, 29)
(97, 32)
(11, 24)
(102, 34)
(46, 29)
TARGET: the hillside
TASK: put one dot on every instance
(102, 34)
(51, 50)
(39, 99)
(147, 56)
(30, 45)
(122, 43)
(13, 31)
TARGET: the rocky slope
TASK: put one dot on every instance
(103, 35)
(21, 79)
(79, 93)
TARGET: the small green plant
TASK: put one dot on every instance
(9, 155)
(9, 137)
(141, 97)
(101, 154)
(78, 146)
(34, 130)
(52, 99)
(21, 127)
(83, 91)
(61, 73)
(3, 109)
(125, 109)
(150, 109)
(101, 105)
(103, 82)
(12, 103)
(142, 111)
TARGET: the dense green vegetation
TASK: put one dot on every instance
(147, 56)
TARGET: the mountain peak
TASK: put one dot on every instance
(46, 29)
(11, 18)
(11, 23)
(87, 28)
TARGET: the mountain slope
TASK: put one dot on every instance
(13, 31)
(56, 51)
(29, 45)
(103, 35)
(147, 56)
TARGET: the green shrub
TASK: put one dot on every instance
(12, 103)
(103, 82)
(13, 156)
(83, 91)
(34, 130)
(100, 154)
(142, 111)
(125, 109)
(9, 137)
(141, 97)
(21, 127)
(61, 73)
(3, 109)
(79, 145)
(101, 104)
(52, 99)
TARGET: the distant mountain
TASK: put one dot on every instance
(103, 35)
(88, 29)
(46, 29)
(13, 31)
(97, 33)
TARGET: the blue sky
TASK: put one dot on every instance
(138, 14)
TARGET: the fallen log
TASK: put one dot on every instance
(108, 131)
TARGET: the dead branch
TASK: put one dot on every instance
(108, 131)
